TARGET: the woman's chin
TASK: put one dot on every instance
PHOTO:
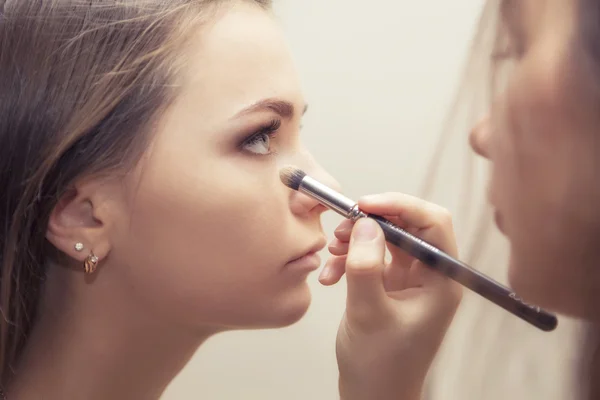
(291, 309)
(279, 311)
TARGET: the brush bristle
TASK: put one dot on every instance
(292, 177)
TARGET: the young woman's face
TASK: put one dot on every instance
(543, 139)
(211, 234)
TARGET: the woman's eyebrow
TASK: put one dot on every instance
(284, 108)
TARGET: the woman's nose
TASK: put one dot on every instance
(304, 204)
(479, 137)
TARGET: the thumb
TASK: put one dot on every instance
(367, 301)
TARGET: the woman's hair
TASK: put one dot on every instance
(81, 86)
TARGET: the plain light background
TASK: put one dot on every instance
(380, 77)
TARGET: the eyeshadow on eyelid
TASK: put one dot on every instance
(512, 18)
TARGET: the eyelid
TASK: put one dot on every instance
(270, 126)
(270, 129)
(508, 44)
(512, 20)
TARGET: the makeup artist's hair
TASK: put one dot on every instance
(481, 79)
(81, 86)
(588, 52)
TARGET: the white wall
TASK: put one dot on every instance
(379, 76)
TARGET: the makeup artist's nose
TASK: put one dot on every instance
(479, 137)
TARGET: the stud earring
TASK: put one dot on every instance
(91, 263)
(78, 246)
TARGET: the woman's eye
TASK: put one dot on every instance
(259, 142)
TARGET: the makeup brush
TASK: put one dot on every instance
(430, 255)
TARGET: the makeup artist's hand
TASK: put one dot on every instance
(397, 312)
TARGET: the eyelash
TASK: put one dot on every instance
(511, 52)
(269, 130)
(508, 48)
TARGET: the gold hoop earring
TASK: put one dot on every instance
(91, 263)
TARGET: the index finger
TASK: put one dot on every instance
(432, 222)
(415, 212)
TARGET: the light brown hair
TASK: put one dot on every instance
(82, 84)
(481, 80)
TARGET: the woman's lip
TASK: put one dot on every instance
(308, 262)
(315, 248)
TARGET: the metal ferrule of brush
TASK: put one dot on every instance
(332, 199)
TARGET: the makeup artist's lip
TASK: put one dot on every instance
(310, 259)
(499, 221)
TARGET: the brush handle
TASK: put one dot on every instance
(465, 275)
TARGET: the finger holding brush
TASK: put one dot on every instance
(396, 313)
(415, 216)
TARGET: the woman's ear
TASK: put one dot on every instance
(79, 223)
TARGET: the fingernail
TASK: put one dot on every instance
(365, 230)
(369, 197)
(325, 273)
(343, 229)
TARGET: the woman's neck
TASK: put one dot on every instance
(92, 349)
